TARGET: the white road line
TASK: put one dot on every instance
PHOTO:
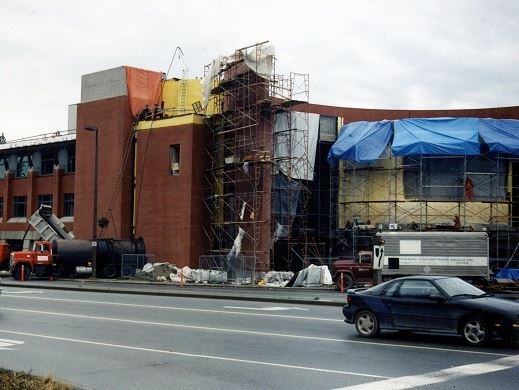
(272, 308)
(193, 355)
(239, 331)
(6, 344)
(407, 382)
(179, 308)
(22, 292)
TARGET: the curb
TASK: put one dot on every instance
(116, 290)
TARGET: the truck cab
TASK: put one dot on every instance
(353, 271)
(4, 256)
(38, 261)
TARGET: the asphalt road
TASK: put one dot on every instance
(119, 341)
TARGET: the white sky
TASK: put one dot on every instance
(370, 54)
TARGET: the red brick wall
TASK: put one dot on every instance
(113, 119)
(361, 114)
(31, 187)
(169, 208)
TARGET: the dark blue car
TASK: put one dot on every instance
(432, 304)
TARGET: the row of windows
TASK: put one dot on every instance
(20, 205)
(43, 161)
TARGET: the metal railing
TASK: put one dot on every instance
(238, 269)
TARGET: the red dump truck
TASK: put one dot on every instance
(4, 256)
(39, 261)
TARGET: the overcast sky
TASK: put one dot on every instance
(369, 54)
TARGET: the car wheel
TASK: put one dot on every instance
(347, 282)
(110, 271)
(366, 324)
(475, 331)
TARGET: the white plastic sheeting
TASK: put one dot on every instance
(236, 248)
(313, 276)
(298, 157)
(163, 272)
(260, 60)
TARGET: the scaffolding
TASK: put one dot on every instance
(253, 144)
(467, 193)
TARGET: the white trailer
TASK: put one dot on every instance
(462, 254)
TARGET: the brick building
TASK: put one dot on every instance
(195, 170)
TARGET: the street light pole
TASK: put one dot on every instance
(94, 222)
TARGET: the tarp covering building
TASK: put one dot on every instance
(366, 141)
(501, 135)
(144, 88)
(361, 141)
(436, 136)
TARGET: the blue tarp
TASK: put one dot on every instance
(366, 141)
(508, 273)
(361, 141)
(436, 136)
(501, 135)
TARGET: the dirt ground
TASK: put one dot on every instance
(10, 380)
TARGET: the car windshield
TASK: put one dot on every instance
(457, 287)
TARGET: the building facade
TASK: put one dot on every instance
(232, 167)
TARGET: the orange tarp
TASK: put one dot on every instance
(144, 88)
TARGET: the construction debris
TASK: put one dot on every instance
(164, 272)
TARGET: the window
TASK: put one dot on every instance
(71, 160)
(327, 128)
(174, 159)
(3, 167)
(23, 165)
(68, 205)
(20, 207)
(48, 159)
(390, 291)
(45, 200)
(1, 207)
(443, 178)
(417, 289)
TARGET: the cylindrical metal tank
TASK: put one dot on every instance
(73, 253)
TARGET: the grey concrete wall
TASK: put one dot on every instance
(103, 85)
(72, 117)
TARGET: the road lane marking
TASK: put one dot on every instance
(22, 292)
(172, 308)
(6, 344)
(274, 308)
(239, 331)
(430, 378)
(194, 355)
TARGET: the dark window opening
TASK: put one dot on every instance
(174, 159)
(1, 207)
(445, 178)
(45, 199)
(4, 166)
(20, 207)
(71, 160)
(24, 164)
(68, 205)
(48, 160)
